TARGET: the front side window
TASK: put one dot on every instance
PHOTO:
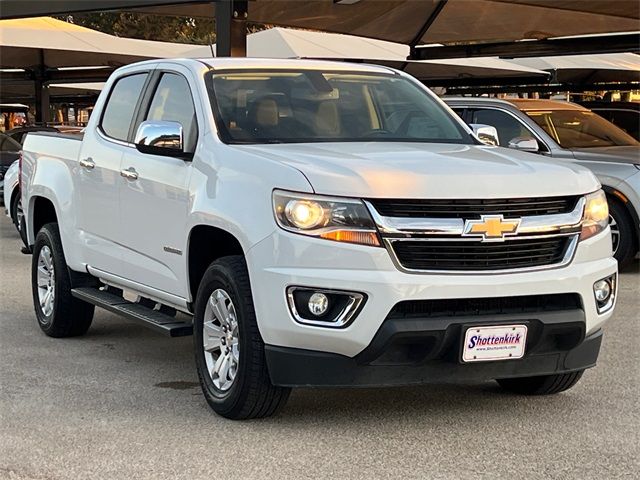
(173, 102)
(266, 106)
(118, 113)
(508, 127)
(580, 129)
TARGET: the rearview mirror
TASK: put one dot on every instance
(157, 137)
(486, 133)
(526, 144)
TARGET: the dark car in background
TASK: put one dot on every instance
(9, 153)
(569, 132)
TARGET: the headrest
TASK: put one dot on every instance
(327, 118)
(265, 112)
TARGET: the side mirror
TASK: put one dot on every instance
(160, 138)
(486, 133)
(526, 144)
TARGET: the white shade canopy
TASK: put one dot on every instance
(289, 43)
(54, 43)
(612, 67)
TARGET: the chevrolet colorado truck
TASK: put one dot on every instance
(316, 224)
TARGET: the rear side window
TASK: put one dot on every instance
(118, 113)
(173, 102)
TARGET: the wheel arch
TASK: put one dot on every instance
(205, 245)
(12, 200)
(42, 211)
(621, 199)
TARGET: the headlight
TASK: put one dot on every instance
(596, 215)
(338, 219)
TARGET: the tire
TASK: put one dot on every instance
(626, 244)
(18, 219)
(240, 388)
(63, 315)
(543, 385)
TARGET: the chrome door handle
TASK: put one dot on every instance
(130, 173)
(87, 163)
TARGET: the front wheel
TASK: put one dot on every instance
(622, 234)
(59, 314)
(228, 347)
(542, 385)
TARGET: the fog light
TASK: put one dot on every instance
(323, 307)
(604, 291)
(318, 303)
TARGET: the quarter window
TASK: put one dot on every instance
(173, 102)
(118, 113)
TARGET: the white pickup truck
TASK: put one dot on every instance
(316, 224)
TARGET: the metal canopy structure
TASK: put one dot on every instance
(463, 27)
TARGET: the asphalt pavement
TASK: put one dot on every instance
(123, 403)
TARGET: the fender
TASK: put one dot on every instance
(51, 178)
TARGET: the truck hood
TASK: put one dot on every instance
(626, 154)
(418, 170)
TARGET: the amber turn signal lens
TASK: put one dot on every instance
(350, 236)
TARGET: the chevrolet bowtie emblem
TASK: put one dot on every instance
(491, 227)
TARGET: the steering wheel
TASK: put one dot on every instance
(403, 128)
(378, 132)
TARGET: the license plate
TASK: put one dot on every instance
(484, 344)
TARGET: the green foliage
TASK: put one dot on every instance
(148, 27)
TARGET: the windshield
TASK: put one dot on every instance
(580, 129)
(267, 106)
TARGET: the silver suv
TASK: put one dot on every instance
(569, 132)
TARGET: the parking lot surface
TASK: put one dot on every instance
(123, 403)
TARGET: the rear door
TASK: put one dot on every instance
(154, 205)
(98, 179)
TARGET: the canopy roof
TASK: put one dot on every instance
(410, 22)
(53, 43)
(575, 69)
(288, 43)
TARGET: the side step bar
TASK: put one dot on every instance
(153, 319)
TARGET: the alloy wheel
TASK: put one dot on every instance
(46, 281)
(615, 233)
(221, 340)
(19, 214)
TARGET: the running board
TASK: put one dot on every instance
(153, 319)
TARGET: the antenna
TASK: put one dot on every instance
(211, 48)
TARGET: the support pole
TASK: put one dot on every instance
(231, 28)
(41, 92)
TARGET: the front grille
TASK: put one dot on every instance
(476, 256)
(471, 209)
(461, 307)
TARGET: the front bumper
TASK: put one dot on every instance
(296, 368)
(285, 259)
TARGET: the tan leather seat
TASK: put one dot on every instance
(327, 120)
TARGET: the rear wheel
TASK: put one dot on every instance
(59, 314)
(622, 233)
(228, 347)
(17, 215)
(542, 385)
